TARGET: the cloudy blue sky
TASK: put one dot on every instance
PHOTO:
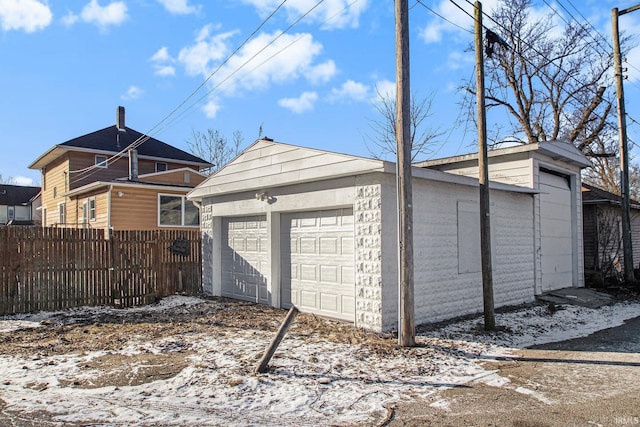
(304, 73)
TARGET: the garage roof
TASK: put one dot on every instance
(267, 164)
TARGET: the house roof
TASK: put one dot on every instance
(593, 195)
(17, 195)
(105, 185)
(110, 140)
(557, 150)
(268, 164)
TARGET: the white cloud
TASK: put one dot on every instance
(115, 13)
(26, 15)
(350, 91)
(385, 89)
(207, 49)
(330, 14)
(301, 104)
(133, 92)
(165, 70)
(161, 55)
(70, 18)
(211, 108)
(322, 73)
(162, 63)
(179, 7)
(258, 65)
(434, 31)
(457, 60)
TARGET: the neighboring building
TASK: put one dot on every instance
(552, 169)
(98, 181)
(17, 204)
(603, 250)
(289, 225)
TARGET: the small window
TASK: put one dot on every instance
(161, 167)
(89, 210)
(101, 162)
(62, 213)
(92, 209)
(55, 192)
(11, 213)
(187, 177)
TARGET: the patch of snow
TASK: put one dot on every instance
(310, 382)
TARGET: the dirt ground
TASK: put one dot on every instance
(69, 333)
(569, 387)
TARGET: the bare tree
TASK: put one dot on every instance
(215, 147)
(384, 129)
(7, 181)
(553, 82)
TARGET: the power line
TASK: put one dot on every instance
(271, 42)
(146, 136)
(569, 75)
(442, 17)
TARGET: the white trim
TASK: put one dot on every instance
(64, 205)
(97, 184)
(102, 164)
(183, 203)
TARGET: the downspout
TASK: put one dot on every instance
(108, 230)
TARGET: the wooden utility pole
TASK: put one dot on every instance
(483, 178)
(624, 160)
(406, 327)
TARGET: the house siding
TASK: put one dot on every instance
(137, 208)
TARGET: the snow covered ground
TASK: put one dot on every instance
(311, 381)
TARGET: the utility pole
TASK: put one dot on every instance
(483, 179)
(406, 327)
(624, 153)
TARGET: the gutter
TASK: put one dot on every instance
(109, 212)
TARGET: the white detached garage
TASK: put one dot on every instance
(289, 225)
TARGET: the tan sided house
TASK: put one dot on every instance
(101, 180)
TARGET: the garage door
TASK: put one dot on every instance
(318, 262)
(555, 232)
(244, 259)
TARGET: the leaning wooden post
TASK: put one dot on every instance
(268, 354)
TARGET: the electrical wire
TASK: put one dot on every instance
(147, 136)
(443, 18)
(571, 95)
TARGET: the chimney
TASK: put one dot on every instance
(133, 165)
(120, 119)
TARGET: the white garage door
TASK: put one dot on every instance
(555, 232)
(318, 262)
(244, 259)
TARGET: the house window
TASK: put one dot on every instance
(89, 210)
(92, 209)
(187, 177)
(177, 211)
(62, 213)
(161, 167)
(55, 192)
(101, 161)
(11, 213)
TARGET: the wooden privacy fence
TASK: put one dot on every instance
(44, 269)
